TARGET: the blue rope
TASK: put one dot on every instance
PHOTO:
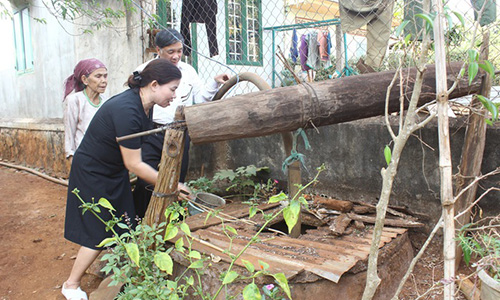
(294, 155)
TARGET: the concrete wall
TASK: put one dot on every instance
(353, 155)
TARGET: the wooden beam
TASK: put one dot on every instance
(316, 104)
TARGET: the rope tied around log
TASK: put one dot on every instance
(296, 156)
(314, 110)
(164, 195)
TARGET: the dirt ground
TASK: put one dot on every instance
(35, 258)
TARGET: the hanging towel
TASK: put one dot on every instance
(294, 52)
(489, 13)
(323, 49)
(200, 11)
(329, 44)
(303, 51)
(313, 61)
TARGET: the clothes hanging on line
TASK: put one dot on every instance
(304, 52)
(200, 11)
(377, 20)
(324, 50)
(313, 60)
(294, 51)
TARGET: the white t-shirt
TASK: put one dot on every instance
(191, 91)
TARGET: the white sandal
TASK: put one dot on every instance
(73, 294)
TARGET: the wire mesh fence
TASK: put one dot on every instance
(320, 39)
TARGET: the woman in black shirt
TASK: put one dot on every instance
(101, 165)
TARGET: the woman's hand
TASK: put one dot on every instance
(185, 192)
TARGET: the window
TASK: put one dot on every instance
(169, 17)
(244, 32)
(22, 39)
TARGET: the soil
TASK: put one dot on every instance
(36, 259)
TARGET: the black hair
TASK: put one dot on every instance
(168, 37)
(159, 69)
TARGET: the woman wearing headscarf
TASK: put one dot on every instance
(101, 165)
(82, 99)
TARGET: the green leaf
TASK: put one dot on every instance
(179, 245)
(490, 106)
(107, 242)
(190, 280)
(488, 68)
(96, 209)
(164, 262)
(283, 282)
(263, 265)
(252, 211)
(250, 267)
(251, 292)
(170, 232)
(407, 38)
(230, 277)
(185, 229)
(196, 264)
(195, 254)
(427, 19)
(387, 154)
(473, 55)
(106, 204)
(401, 27)
(278, 198)
(231, 229)
(133, 252)
(472, 71)
(460, 17)
(291, 214)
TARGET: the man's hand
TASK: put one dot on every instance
(221, 78)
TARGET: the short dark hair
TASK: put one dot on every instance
(168, 37)
(158, 69)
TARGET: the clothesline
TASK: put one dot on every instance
(306, 25)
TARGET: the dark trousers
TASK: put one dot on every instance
(151, 154)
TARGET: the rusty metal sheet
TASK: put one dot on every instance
(326, 256)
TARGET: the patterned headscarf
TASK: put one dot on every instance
(84, 67)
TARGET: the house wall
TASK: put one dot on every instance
(57, 47)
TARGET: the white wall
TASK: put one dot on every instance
(56, 49)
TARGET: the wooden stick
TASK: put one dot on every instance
(390, 222)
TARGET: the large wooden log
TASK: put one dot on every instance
(165, 192)
(320, 103)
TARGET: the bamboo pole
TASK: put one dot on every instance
(165, 192)
(444, 153)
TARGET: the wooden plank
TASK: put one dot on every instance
(390, 222)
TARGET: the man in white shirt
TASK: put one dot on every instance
(191, 90)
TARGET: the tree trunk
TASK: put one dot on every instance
(165, 191)
(473, 149)
(320, 103)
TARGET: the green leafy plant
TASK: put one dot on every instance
(203, 184)
(244, 181)
(482, 242)
(141, 258)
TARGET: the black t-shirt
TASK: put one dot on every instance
(121, 115)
